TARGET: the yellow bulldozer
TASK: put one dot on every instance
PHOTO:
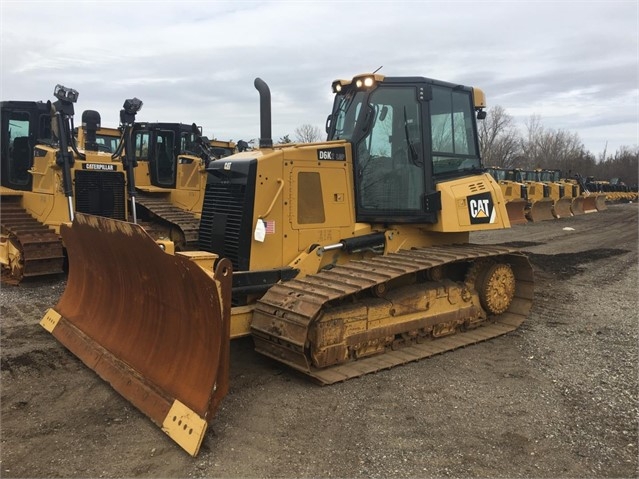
(170, 178)
(540, 202)
(106, 139)
(590, 202)
(615, 190)
(46, 179)
(560, 195)
(515, 194)
(170, 175)
(527, 197)
(339, 258)
(572, 191)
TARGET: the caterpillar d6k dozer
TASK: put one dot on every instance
(349, 256)
(515, 194)
(46, 178)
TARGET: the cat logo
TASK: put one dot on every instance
(227, 165)
(481, 209)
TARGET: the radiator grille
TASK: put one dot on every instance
(222, 223)
(100, 193)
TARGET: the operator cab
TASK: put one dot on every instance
(23, 124)
(162, 145)
(407, 134)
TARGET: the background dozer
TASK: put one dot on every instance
(614, 189)
(594, 187)
(170, 175)
(106, 139)
(572, 191)
(540, 202)
(348, 257)
(46, 179)
(170, 178)
(589, 201)
(561, 207)
(515, 194)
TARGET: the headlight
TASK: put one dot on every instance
(364, 82)
(338, 85)
(132, 105)
(65, 94)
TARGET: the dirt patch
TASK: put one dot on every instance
(556, 398)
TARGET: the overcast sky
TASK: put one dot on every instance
(573, 64)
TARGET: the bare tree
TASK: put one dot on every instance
(499, 140)
(554, 149)
(502, 145)
(307, 133)
(623, 165)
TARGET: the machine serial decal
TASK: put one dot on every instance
(481, 209)
(99, 167)
(335, 154)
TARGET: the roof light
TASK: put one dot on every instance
(338, 85)
(65, 94)
(365, 81)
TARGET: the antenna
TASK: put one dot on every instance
(378, 69)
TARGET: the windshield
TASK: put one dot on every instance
(549, 176)
(530, 175)
(188, 143)
(346, 108)
(499, 175)
(390, 163)
(107, 143)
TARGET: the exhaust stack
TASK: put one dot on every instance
(266, 141)
(91, 124)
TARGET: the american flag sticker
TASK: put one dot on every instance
(270, 227)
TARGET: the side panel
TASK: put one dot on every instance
(478, 204)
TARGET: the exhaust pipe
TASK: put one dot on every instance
(266, 141)
(91, 123)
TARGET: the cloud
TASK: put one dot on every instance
(574, 64)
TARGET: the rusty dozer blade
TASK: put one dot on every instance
(577, 206)
(589, 203)
(541, 210)
(600, 202)
(561, 208)
(516, 210)
(154, 325)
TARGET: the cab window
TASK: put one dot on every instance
(452, 133)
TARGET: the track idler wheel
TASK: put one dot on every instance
(496, 287)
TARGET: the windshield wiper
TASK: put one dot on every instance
(414, 156)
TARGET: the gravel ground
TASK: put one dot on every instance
(556, 398)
